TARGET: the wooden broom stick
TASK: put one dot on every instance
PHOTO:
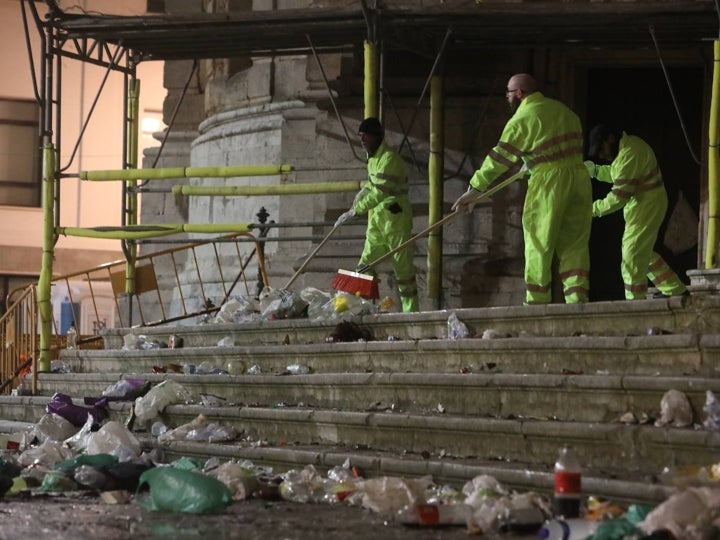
(310, 257)
(449, 217)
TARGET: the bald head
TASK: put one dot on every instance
(524, 82)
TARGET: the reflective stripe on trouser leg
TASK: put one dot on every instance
(664, 278)
(643, 217)
(537, 294)
(385, 232)
(556, 218)
(637, 291)
(575, 285)
(405, 275)
(573, 243)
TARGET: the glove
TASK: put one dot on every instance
(591, 168)
(360, 194)
(466, 201)
(344, 218)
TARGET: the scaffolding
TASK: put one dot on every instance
(120, 43)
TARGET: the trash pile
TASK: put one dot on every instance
(76, 448)
(311, 303)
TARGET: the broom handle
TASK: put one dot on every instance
(449, 217)
(309, 258)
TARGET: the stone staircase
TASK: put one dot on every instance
(412, 402)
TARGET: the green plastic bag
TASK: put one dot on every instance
(615, 529)
(187, 464)
(94, 460)
(179, 490)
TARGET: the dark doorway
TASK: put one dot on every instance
(638, 100)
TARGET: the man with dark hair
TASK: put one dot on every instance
(629, 164)
(385, 198)
(547, 136)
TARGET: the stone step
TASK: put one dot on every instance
(631, 487)
(677, 315)
(615, 448)
(570, 398)
(673, 354)
(425, 404)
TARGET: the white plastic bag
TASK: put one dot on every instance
(389, 494)
(456, 328)
(712, 409)
(687, 515)
(115, 439)
(154, 402)
(675, 410)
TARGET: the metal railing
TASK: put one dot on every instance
(19, 338)
(170, 285)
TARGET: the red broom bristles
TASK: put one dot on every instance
(356, 283)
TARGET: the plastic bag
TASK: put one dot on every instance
(199, 429)
(388, 495)
(57, 481)
(178, 490)
(319, 302)
(238, 310)
(78, 442)
(133, 342)
(688, 514)
(456, 328)
(304, 486)
(114, 439)
(241, 482)
(675, 409)
(154, 402)
(126, 389)
(712, 409)
(55, 427)
(63, 405)
(98, 460)
(48, 453)
(281, 304)
(349, 304)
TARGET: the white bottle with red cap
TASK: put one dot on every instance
(568, 484)
(568, 529)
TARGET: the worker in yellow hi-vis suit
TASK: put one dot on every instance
(385, 199)
(547, 136)
(639, 190)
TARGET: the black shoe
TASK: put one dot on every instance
(658, 295)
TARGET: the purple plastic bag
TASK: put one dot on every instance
(63, 405)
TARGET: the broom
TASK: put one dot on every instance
(366, 285)
(310, 257)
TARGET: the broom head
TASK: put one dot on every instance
(356, 283)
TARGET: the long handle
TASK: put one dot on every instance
(443, 221)
(309, 257)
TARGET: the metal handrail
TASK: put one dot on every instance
(94, 296)
(19, 338)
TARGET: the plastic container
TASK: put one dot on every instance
(568, 484)
(71, 337)
(568, 529)
(435, 515)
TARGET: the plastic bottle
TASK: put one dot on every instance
(435, 515)
(568, 529)
(71, 337)
(568, 484)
